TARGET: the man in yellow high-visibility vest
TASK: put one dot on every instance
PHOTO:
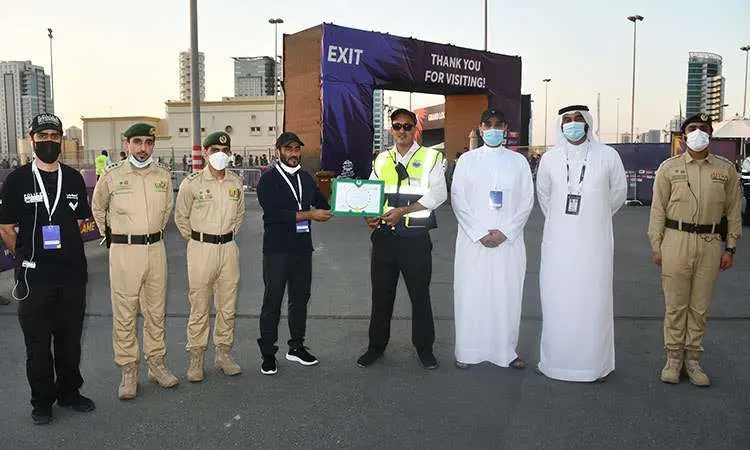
(415, 186)
(100, 162)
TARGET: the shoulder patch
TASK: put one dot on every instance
(193, 176)
(721, 158)
(112, 166)
(666, 161)
(164, 166)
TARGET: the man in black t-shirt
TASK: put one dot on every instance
(286, 195)
(47, 201)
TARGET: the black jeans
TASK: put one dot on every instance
(51, 317)
(280, 270)
(412, 257)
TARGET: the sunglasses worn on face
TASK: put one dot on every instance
(399, 126)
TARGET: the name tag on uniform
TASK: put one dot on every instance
(303, 226)
(51, 237)
(496, 199)
(573, 205)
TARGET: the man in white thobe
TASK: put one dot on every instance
(492, 196)
(580, 185)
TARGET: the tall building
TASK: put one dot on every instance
(651, 137)
(378, 138)
(185, 85)
(24, 93)
(253, 76)
(75, 134)
(705, 86)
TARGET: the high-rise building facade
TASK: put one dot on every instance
(254, 76)
(24, 92)
(378, 104)
(185, 67)
(705, 86)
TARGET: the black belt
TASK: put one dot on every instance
(137, 239)
(212, 238)
(691, 227)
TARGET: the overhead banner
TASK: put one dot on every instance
(355, 62)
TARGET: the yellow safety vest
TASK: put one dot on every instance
(100, 163)
(410, 189)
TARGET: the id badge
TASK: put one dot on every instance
(303, 226)
(573, 205)
(496, 199)
(51, 237)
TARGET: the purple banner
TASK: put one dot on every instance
(641, 162)
(355, 62)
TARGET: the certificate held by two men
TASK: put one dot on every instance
(352, 197)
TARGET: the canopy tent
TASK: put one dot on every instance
(732, 129)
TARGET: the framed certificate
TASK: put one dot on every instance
(357, 197)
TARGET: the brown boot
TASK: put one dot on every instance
(224, 361)
(195, 367)
(694, 371)
(671, 371)
(129, 382)
(159, 373)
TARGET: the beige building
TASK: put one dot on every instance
(249, 121)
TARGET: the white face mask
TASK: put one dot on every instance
(140, 164)
(290, 170)
(218, 160)
(697, 140)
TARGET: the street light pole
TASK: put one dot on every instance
(745, 49)
(485, 25)
(195, 94)
(51, 69)
(617, 123)
(635, 19)
(275, 23)
(546, 85)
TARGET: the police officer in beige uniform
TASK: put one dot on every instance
(209, 210)
(692, 192)
(133, 202)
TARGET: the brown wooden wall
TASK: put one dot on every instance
(461, 116)
(302, 102)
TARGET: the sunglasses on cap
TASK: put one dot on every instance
(399, 126)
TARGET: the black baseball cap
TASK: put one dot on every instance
(287, 138)
(492, 113)
(404, 112)
(45, 121)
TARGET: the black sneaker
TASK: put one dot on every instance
(428, 359)
(41, 415)
(79, 403)
(302, 356)
(369, 358)
(269, 365)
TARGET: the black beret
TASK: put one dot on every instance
(140, 129)
(697, 118)
(217, 138)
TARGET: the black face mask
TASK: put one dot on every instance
(47, 151)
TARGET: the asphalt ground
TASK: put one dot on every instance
(395, 403)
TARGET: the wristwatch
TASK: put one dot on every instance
(730, 250)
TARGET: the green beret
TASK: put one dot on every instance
(217, 138)
(140, 129)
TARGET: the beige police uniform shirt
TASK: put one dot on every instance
(131, 200)
(699, 191)
(209, 205)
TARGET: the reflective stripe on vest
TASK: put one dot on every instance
(413, 188)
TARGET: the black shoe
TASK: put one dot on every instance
(369, 358)
(269, 365)
(41, 415)
(79, 403)
(428, 359)
(302, 356)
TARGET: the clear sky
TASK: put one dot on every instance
(120, 58)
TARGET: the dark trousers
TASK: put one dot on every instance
(280, 271)
(51, 318)
(411, 257)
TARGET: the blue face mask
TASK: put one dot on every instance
(574, 131)
(493, 137)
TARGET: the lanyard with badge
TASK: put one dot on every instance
(573, 202)
(303, 226)
(496, 194)
(50, 233)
